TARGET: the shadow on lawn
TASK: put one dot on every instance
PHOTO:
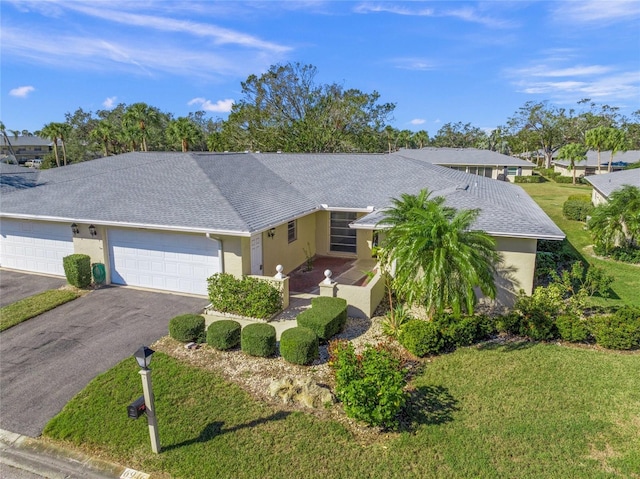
(507, 346)
(428, 405)
(216, 428)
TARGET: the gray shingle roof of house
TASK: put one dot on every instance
(464, 156)
(241, 193)
(14, 177)
(23, 141)
(607, 183)
(621, 158)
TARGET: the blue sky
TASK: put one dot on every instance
(439, 62)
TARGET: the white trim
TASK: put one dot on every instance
(368, 209)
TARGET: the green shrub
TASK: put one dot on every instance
(572, 328)
(564, 179)
(577, 209)
(528, 179)
(422, 337)
(620, 330)
(224, 334)
(299, 345)
(548, 172)
(326, 317)
(508, 323)
(395, 320)
(456, 331)
(539, 311)
(187, 328)
(626, 255)
(77, 269)
(258, 339)
(248, 296)
(370, 385)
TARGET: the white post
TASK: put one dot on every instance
(150, 409)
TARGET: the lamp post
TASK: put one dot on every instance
(143, 357)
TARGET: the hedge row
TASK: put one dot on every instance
(297, 345)
(326, 317)
(577, 207)
(529, 179)
(248, 296)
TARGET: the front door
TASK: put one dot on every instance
(256, 254)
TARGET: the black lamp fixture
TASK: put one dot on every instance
(271, 233)
(74, 229)
(92, 230)
(143, 357)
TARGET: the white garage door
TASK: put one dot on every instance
(34, 245)
(158, 260)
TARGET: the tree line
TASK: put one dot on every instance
(285, 109)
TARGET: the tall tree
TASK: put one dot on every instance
(547, 126)
(616, 141)
(438, 259)
(598, 139)
(104, 134)
(143, 116)
(183, 132)
(420, 138)
(617, 222)
(574, 153)
(459, 135)
(51, 132)
(64, 130)
(284, 109)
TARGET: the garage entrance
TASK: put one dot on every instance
(161, 260)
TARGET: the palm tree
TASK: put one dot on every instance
(597, 138)
(617, 222)
(420, 138)
(64, 130)
(574, 152)
(142, 116)
(183, 131)
(616, 141)
(50, 131)
(436, 259)
(103, 133)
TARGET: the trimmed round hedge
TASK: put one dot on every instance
(299, 345)
(187, 328)
(422, 337)
(258, 339)
(224, 334)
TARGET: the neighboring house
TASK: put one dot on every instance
(26, 148)
(170, 220)
(604, 185)
(489, 164)
(590, 167)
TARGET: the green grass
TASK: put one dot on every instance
(551, 196)
(32, 306)
(521, 410)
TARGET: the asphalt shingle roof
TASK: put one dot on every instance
(242, 193)
(607, 183)
(621, 158)
(464, 156)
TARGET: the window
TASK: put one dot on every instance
(343, 238)
(512, 170)
(292, 234)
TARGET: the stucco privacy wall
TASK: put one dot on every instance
(96, 247)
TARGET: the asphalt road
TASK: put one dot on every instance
(48, 359)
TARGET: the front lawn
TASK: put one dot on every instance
(35, 305)
(551, 196)
(518, 409)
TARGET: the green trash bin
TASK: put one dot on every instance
(99, 273)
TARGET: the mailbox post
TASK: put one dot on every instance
(143, 357)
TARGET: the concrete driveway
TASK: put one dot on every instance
(15, 286)
(47, 360)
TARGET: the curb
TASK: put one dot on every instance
(57, 462)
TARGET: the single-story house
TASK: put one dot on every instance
(489, 164)
(621, 160)
(167, 221)
(605, 184)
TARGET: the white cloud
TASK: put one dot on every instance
(420, 64)
(221, 106)
(417, 121)
(109, 102)
(597, 11)
(549, 71)
(21, 91)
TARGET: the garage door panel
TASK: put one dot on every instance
(161, 260)
(34, 245)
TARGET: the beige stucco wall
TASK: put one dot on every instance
(94, 246)
(517, 268)
(597, 198)
(236, 255)
(277, 250)
(362, 300)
